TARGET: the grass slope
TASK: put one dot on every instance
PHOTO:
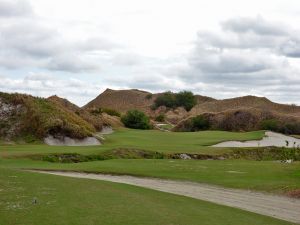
(153, 140)
(257, 175)
(64, 201)
(174, 142)
(267, 176)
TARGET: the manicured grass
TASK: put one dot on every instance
(24, 150)
(65, 201)
(187, 142)
(267, 176)
(175, 141)
(264, 176)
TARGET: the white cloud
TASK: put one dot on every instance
(218, 48)
(30, 41)
(15, 8)
(248, 56)
(45, 85)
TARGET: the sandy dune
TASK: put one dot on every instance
(66, 141)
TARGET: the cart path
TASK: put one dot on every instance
(279, 207)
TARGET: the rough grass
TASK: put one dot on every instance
(65, 201)
(40, 117)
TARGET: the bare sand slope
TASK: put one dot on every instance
(266, 204)
(66, 141)
(271, 139)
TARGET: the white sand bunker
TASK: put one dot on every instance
(66, 141)
(271, 139)
(106, 130)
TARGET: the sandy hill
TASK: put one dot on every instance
(64, 103)
(97, 120)
(241, 113)
(244, 114)
(244, 103)
(27, 117)
(124, 100)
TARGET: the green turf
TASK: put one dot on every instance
(175, 141)
(267, 176)
(264, 176)
(187, 142)
(72, 201)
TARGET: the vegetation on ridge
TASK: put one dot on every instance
(27, 115)
(136, 119)
(185, 99)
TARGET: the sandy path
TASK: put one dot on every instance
(270, 205)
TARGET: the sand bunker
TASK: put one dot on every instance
(106, 130)
(271, 139)
(66, 141)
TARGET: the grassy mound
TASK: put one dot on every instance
(31, 118)
(242, 120)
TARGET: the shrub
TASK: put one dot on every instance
(149, 96)
(166, 99)
(160, 118)
(96, 111)
(136, 119)
(111, 112)
(290, 128)
(271, 124)
(186, 99)
(199, 123)
(238, 121)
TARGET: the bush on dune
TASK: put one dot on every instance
(136, 119)
(185, 99)
(166, 99)
(270, 124)
(108, 111)
(160, 118)
(200, 123)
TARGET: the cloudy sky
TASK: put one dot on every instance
(77, 49)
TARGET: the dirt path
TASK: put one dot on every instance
(270, 205)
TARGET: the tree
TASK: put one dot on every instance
(166, 99)
(200, 123)
(160, 118)
(186, 99)
(270, 124)
(136, 119)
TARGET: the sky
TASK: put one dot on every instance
(222, 49)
